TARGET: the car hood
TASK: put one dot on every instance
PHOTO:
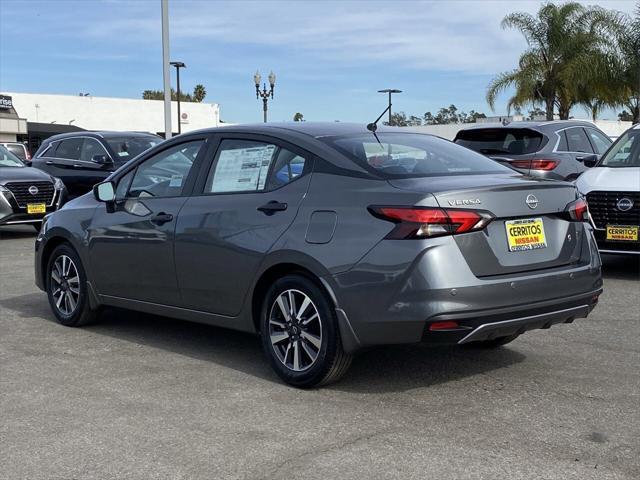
(625, 179)
(23, 174)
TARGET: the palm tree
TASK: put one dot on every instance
(559, 38)
(199, 92)
(625, 64)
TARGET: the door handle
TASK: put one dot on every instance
(272, 207)
(77, 165)
(161, 218)
(49, 162)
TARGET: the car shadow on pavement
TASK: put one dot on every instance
(383, 369)
(22, 231)
(621, 267)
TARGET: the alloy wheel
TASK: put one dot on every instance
(295, 330)
(65, 285)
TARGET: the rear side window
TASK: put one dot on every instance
(500, 141)
(70, 148)
(405, 155)
(577, 140)
(90, 149)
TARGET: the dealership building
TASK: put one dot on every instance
(33, 117)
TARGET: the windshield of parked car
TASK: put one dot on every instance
(625, 152)
(127, 148)
(496, 141)
(406, 155)
(8, 159)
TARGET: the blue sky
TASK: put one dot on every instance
(330, 57)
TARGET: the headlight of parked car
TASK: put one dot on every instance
(57, 184)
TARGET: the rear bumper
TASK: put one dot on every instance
(390, 301)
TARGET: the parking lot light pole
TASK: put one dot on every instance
(390, 91)
(265, 94)
(178, 66)
(164, 4)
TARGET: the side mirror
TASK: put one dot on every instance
(102, 160)
(104, 192)
(589, 160)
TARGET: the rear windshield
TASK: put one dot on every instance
(8, 159)
(402, 155)
(126, 148)
(17, 150)
(496, 141)
(624, 153)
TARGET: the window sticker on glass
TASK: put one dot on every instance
(123, 154)
(242, 169)
(176, 181)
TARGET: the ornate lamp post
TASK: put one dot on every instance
(264, 93)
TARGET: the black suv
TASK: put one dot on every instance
(561, 149)
(82, 159)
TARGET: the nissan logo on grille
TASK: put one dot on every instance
(532, 201)
(624, 204)
(33, 190)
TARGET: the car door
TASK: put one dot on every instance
(578, 146)
(131, 242)
(247, 200)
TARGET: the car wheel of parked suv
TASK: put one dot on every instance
(67, 288)
(300, 333)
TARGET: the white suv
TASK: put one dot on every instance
(612, 190)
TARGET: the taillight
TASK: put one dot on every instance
(537, 164)
(424, 222)
(578, 210)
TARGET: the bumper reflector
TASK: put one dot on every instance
(446, 325)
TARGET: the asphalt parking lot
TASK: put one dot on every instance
(144, 397)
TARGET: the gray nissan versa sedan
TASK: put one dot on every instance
(325, 239)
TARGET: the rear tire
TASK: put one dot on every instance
(66, 283)
(302, 343)
(495, 343)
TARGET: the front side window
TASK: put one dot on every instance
(577, 141)
(50, 152)
(90, 148)
(600, 142)
(241, 166)
(165, 174)
(406, 155)
(625, 152)
(70, 148)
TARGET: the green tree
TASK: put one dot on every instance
(561, 39)
(159, 95)
(298, 117)
(398, 120)
(625, 64)
(199, 92)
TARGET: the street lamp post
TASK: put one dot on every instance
(178, 66)
(390, 91)
(264, 93)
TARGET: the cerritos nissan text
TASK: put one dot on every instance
(324, 239)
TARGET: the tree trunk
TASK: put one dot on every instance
(563, 111)
(549, 101)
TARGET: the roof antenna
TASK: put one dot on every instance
(374, 126)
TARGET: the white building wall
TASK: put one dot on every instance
(106, 113)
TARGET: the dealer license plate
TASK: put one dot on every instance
(525, 234)
(622, 233)
(34, 208)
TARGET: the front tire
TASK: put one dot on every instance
(300, 334)
(67, 288)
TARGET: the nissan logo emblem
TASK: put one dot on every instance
(532, 201)
(624, 204)
(33, 190)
